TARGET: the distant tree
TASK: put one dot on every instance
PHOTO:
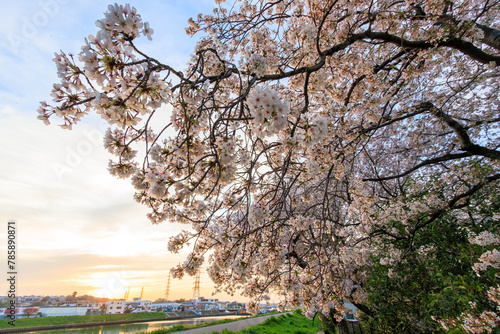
(4, 303)
(74, 294)
(7, 311)
(101, 300)
(182, 300)
(29, 311)
(161, 300)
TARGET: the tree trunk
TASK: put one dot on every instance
(491, 36)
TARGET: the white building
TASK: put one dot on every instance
(115, 306)
(62, 311)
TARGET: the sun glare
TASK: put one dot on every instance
(111, 284)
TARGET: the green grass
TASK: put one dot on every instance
(292, 323)
(77, 319)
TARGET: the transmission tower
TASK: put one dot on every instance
(142, 292)
(167, 287)
(196, 288)
(127, 293)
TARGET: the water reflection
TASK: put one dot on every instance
(135, 327)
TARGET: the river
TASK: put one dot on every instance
(135, 327)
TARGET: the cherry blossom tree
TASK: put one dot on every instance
(308, 140)
(29, 311)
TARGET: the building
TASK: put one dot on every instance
(223, 305)
(208, 305)
(138, 305)
(62, 311)
(116, 306)
(166, 307)
(187, 306)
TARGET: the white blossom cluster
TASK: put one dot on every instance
(269, 114)
(488, 259)
(159, 181)
(257, 64)
(225, 149)
(316, 131)
(485, 238)
(257, 213)
(125, 20)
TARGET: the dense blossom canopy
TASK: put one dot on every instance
(308, 140)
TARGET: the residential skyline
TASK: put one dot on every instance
(78, 227)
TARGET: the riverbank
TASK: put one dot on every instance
(267, 324)
(54, 323)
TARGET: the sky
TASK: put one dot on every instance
(78, 227)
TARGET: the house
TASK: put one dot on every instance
(209, 305)
(166, 307)
(116, 306)
(97, 308)
(223, 305)
(138, 305)
(186, 306)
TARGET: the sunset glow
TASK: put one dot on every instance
(79, 227)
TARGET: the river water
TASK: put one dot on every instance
(135, 327)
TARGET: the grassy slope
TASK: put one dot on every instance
(76, 319)
(294, 323)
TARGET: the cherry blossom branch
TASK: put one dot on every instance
(451, 203)
(462, 134)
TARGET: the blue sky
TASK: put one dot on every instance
(79, 228)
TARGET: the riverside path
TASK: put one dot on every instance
(232, 326)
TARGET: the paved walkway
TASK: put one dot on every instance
(232, 326)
